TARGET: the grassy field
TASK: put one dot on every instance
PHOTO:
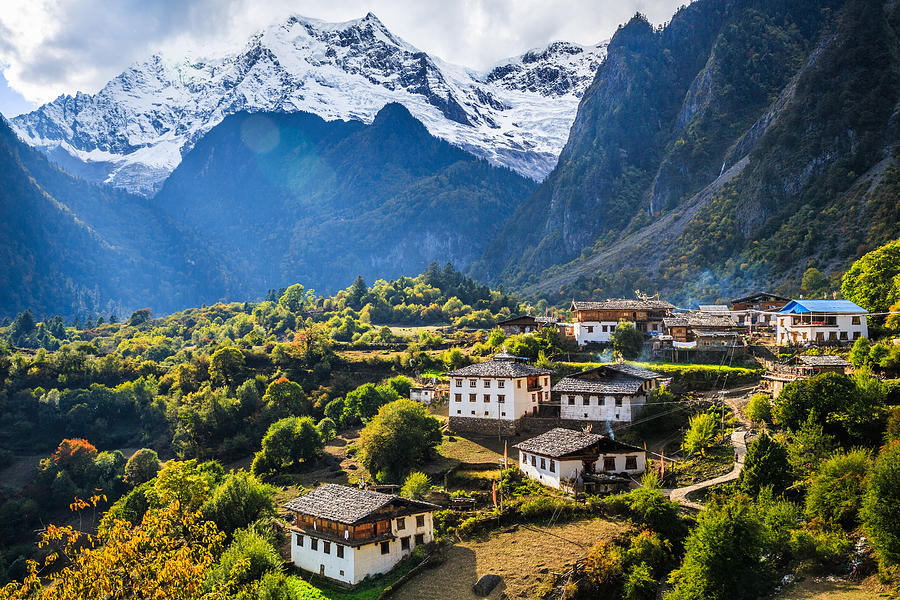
(523, 557)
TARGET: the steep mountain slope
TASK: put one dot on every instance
(729, 150)
(134, 131)
(291, 197)
(70, 247)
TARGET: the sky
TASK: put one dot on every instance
(53, 47)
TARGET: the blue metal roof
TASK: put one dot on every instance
(822, 306)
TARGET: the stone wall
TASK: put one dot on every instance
(536, 425)
(484, 426)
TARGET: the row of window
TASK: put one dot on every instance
(586, 400)
(501, 383)
(401, 522)
(501, 398)
(339, 548)
(543, 462)
(487, 413)
(832, 335)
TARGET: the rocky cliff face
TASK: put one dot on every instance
(729, 150)
(134, 131)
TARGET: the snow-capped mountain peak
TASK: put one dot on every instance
(134, 131)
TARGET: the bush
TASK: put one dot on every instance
(702, 433)
(327, 429)
(881, 505)
(416, 486)
(238, 501)
(250, 555)
(649, 507)
(759, 408)
(836, 490)
(287, 443)
(142, 466)
(765, 465)
(640, 584)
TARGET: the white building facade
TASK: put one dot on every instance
(495, 394)
(347, 534)
(595, 322)
(811, 322)
(612, 393)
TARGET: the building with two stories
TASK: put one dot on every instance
(595, 322)
(560, 458)
(756, 309)
(612, 394)
(347, 534)
(820, 322)
(526, 324)
(802, 367)
(491, 396)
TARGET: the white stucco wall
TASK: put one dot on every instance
(517, 399)
(620, 462)
(587, 332)
(845, 331)
(600, 408)
(360, 561)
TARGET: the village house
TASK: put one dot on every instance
(804, 322)
(347, 534)
(684, 327)
(751, 310)
(595, 322)
(802, 367)
(612, 393)
(563, 458)
(490, 397)
(426, 394)
(526, 324)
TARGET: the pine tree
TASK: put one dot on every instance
(766, 464)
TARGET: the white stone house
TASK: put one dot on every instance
(613, 393)
(595, 322)
(424, 394)
(347, 534)
(490, 397)
(811, 322)
(560, 457)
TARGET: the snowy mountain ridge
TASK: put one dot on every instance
(134, 131)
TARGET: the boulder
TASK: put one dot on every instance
(485, 584)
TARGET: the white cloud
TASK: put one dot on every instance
(51, 47)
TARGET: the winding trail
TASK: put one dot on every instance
(739, 442)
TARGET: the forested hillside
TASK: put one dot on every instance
(731, 149)
(70, 247)
(291, 197)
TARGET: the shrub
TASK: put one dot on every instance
(416, 486)
(238, 501)
(759, 409)
(702, 433)
(881, 505)
(246, 559)
(142, 466)
(640, 584)
(836, 490)
(765, 464)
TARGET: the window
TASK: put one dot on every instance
(618, 402)
(313, 543)
(404, 543)
(524, 458)
(503, 413)
(546, 381)
(326, 547)
(590, 329)
(487, 397)
(473, 397)
(518, 383)
(602, 401)
(501, 398)
(603, 328)
(458, 397)
(543, 463)
(487, 383)
(420, 520)
(459, 383)
(855, 320)
(585, 415)
(486, 413)
(401, 523)
(630, 462)
(552, 466)
(855, 335)
(546, 395)
(843, 335)
(501, 383)
(386, 547)
(298, 539)
(473, 412)
(459, 412)
(420, 538)
(609, 464)
(571, 400)
(473, 383)
(832, 335)
(340, 552)
(586, 401)
(533, 461)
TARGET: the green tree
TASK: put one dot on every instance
(226, 366)
(881, 505)
(334, 410)
(293, 298)
(859, 354)
(287, 443)
(726, 556)
(249, 556)
(238, 501)
(401, 436)
(813, 282)
(702, 433)
(142, 466)
(363, 402)
(836, 490)
(356, 293)
(808, 447)
(416, 486)
(759, 408)
(327, 428)
(765, 465)
(454, 359)
(627, 341)
(284, 397)
(140, 316)
(872, 281)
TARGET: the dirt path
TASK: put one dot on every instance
(523, 558)
(738, 441)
